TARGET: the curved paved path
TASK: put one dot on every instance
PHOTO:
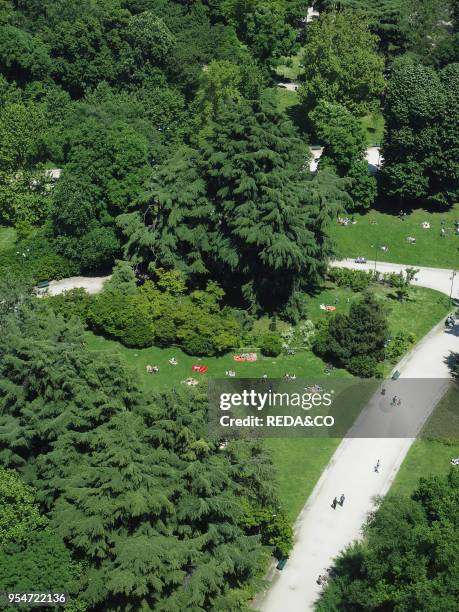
(433, 278)
(321, 532)
(92, 284)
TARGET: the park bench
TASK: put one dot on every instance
(281, 563)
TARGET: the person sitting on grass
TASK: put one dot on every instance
(173, 361)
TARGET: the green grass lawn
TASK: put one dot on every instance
(418, 315)
(374, 127)
(290, 67)
(303, 364)
(7, 238)
(375, 229)
(286, 99)
(299, 461)
(425, 458)
(432, 452)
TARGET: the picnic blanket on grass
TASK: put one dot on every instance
(245, 357)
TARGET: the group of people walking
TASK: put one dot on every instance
(337, 501)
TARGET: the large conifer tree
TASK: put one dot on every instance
(243, 206)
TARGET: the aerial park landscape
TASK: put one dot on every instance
(229, 303)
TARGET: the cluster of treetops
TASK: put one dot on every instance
(174, 157)
(117, 496)
(163, 118)
(164, 313)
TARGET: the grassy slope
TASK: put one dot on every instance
(374, 127)
(293, 71)
(431, 454)
(299, 462)
(286, 98)
(429, 250)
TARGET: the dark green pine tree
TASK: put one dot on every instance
(207, 504)
(115, 510)
(51, 385)
(180, 213)
(357, 340)
(254, 167)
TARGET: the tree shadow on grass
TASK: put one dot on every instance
(298, 116)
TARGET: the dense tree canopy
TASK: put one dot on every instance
(148, 138)
(152, 508)
(402, 25)
(344, 142)
(420, 148)
(408, 560)
(241, 205)
(341, 63)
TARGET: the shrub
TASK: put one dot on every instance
(280, 536)
(321, 342)
(165, 331)
(122, 316)
(203, 333)
(271, 345)
(97, 249)
(305, 333)
(75, 302)
(363, 366)
(36, 258)
(271, 525)
(399, 344)
(295, 309)
(357, 280)
(195, 343)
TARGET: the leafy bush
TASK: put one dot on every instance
(122, 316)
(357, 280)
(272, 525)
(321, 343)
(195, 343)
(271, 345)
(357, 340)
(363, 366)
(165, 331)
(146, 315)
(301, 335)
(295, 309)
(208, 334)
(75, 302)
(37, 259)
(399, 344)
(98, 248)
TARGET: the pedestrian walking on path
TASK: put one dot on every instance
(341, 500)
(377, 467)
(334, 502)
